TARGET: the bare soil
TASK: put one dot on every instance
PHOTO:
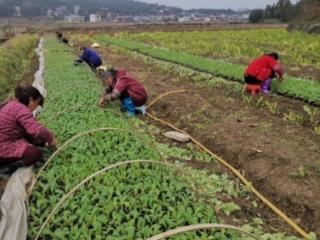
(280, 158)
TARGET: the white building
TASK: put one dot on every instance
(76, 9)
(245, 16)
(74, 18)
(184, 19)
(94, 18)
(50, 13)
(124, 19)
(17, 11)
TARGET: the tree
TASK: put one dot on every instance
(256, 16)
(308, 10)
(269, 12)
(284, 10)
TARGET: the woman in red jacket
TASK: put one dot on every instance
(262, 70)
(120, 85)
(20, 132)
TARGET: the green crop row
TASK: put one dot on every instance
(133, 202)
(295, 48)
(306, 90)
(15, 59)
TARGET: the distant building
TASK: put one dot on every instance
(124, 19)
(76, 9)
(50, 13)
(17, 11)
(94, 18)
(184, 19)
(74, 18)
(60, 11)
(169, 18)
(245, 16)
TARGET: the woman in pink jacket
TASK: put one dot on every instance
(20, 133)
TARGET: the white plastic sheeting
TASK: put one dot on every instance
(14, 222)
(13, 225)
(38, 76)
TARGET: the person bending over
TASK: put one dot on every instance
(120, 85)
(262, 70)
(90, 57)
(21, 134)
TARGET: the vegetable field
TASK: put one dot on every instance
(117, 177)
(306, 90)
(238, 46)
(130, 202)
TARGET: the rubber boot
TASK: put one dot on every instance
(129, 106)
(141, 109)
(266, 86)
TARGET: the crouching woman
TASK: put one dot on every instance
(120, 85)
(21, 134)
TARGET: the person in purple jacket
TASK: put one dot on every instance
(90, 57)
(21, 134)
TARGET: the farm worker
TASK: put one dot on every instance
(262, 70)
(120, 85)
(65, 40)
(20, 133)
(90, 57)
(61, 38)
(59, 35)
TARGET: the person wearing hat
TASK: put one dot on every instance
(262, 70)
(90, 57)
(120, 85)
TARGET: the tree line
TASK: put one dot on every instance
(286, 11)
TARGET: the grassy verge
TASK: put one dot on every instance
(15, 59)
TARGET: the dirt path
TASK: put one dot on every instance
(281, 159)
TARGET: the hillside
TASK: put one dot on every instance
(39, 7)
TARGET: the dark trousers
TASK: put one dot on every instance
(93, 65)
(254, 81)
(31, 155)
